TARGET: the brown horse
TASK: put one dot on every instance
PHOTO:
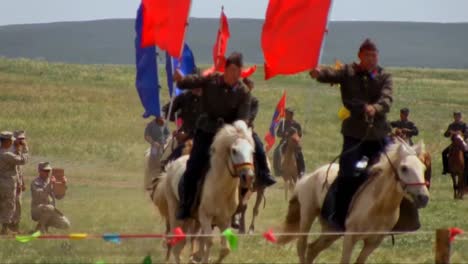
(457, 165)
(289, 170)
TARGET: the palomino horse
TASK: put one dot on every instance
(457, 165)
(231, 166)
(158, 184)
(288, 165)
(375, 207)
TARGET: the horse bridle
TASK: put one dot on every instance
(399, 179)
(246, 165)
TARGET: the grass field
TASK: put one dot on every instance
(87, 119)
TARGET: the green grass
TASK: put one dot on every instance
(87, 119)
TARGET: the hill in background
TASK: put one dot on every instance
(111, 41)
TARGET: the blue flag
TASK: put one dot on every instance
(186, 65)
(147, 83)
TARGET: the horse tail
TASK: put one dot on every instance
(292, 221)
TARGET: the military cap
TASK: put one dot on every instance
(290, 110)
(458, 113)
(44, 166)
(6, 135)
(404, 110)
(19, 134)
(368, 44)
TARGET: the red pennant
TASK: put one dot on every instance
(269, 236)
(454, 231)
(249, 71)
(178, 235)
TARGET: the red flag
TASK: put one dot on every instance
(164, 24)
(277, 117)
(220, 46)
(292, 35)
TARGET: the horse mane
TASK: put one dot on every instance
(390, 154)
(225, 137)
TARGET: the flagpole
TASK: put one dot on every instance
(284, 116)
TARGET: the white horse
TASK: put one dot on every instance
(231, 164)
(375, 207)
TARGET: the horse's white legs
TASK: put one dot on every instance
(307, 218)
(286, 187)
(224, 251)
(173, 223)
(206, 241)
(348, 245)
(370, 245)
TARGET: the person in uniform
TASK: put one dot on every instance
(43, 209)
(457, 127)
(405, 126)
(224, 100)
(366, 91)
(157, 133)
(284, 127)
(8, 177)
(20, 140)
(188, 108)
(264, 177)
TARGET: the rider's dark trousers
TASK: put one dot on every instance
(445, 154)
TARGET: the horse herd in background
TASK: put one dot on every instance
(402, 171)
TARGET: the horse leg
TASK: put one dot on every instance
(168, 245)
(242, 219)
(173, 223)
(307, 218)
(206, 240)
(370, 245)
(286, 187)
(348, 245)
(455, 188)
(258, 201)
(320, 244)
(225, 250)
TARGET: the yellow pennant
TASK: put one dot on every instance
(78, 236)
(343, 113)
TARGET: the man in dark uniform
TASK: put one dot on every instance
(224, 99)
(366, 91)
(188, 107)
(284, 127)
(264, 177)
(458, 126)
(406, 127)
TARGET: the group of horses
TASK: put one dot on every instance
(401, 171)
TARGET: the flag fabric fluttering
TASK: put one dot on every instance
(146, 81)
(277, 117)
(220, 48)
(292, 35)
(164, 24)
(186, 65)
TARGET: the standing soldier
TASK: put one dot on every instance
(225, 99)
(366, 91)
(43, 209)
(457, 127)
(8, 177)
(283, 129)
(20, 140)
(405, 127)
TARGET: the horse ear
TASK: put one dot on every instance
(420, 148)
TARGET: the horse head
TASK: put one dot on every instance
(457, 140)
(293, 138)
(410, 172)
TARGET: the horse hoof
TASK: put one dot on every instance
(251, 231)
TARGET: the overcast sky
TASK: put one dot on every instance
(40, 11)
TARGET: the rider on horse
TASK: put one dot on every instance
(366, 91)
(284, 128)
(406, 128)
(225, 99)
(188, 108)
(457, 127)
